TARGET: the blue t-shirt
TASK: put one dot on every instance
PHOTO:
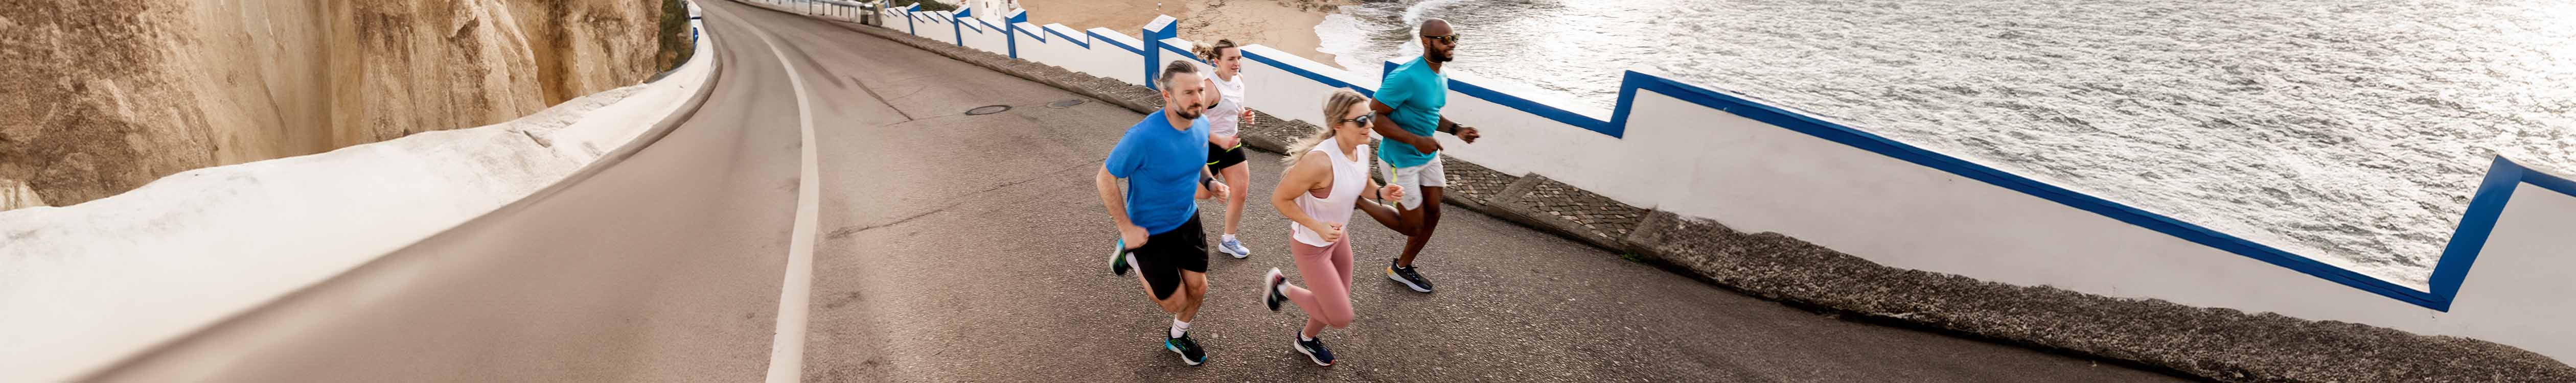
(1417, 93)
(1161, 165)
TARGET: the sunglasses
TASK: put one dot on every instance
(1364, 119)
(1451, 38)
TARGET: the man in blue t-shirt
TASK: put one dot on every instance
(1164, 162)
(1408, 106)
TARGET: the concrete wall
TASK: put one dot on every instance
(1707, 153)
(981, 35)
(1099, 51)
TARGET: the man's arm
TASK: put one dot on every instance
(1208, 187)
(1386, 127)
(1463, 132)
(1110, 198)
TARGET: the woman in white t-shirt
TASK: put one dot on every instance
(1327, 176)
(1225, 149)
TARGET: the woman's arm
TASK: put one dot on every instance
(1308, 173)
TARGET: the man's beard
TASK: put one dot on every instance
(1439, 57)
(1186, 114)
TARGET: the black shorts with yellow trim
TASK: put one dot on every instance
(1220, 158)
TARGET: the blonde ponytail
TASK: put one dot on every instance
(1334, 106)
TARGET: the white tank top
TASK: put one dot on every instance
(1228, 111)
(1349, 177)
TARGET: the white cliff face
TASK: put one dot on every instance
(100, 280)
(117, 93)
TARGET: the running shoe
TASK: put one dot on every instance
(1314, 350)
(1274, 297)
(1119, 261)
(1408, 277)
(1189, 349)
(1233, 247)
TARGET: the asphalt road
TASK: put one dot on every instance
(969, 248)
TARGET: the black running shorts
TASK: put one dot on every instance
(1165, 255)
(1220, 158)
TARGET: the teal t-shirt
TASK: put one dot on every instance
(1417, 93)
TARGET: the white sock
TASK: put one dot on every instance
(1179, 328)
(1229, 238)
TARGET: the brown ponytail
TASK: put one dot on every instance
(1211, 51)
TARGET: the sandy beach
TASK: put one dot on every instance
(1286, 25)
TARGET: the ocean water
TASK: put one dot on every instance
(2351, 132)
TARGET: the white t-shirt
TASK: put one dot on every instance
(1228, 110)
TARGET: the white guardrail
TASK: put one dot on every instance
(1756, 167)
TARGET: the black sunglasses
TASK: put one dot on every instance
(1451, 38)
(1364, 119)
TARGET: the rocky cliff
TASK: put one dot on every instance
(107, 95)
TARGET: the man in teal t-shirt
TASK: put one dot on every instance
(1408, 106)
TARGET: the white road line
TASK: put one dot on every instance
(795, 294)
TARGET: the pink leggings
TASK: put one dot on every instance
(1327, 295)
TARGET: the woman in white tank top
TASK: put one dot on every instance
(1327, 174)
(1225, 150)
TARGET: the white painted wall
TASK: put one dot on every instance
(1062, 46)
(1110, 61)
(1284, 94)
(990, 38)
(2519, 292)
(1700, 161)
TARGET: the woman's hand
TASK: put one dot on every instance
(1331, 232)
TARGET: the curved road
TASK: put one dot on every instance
(966, 248)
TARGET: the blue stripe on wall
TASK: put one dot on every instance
(1182, 52)
(1095, 36)
(1302, 72)
(1076, 41)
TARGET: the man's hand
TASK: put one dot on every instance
(1331, 232)
(1133, 235)
(1214, 190)
(1468, 134)
(1425, 144)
